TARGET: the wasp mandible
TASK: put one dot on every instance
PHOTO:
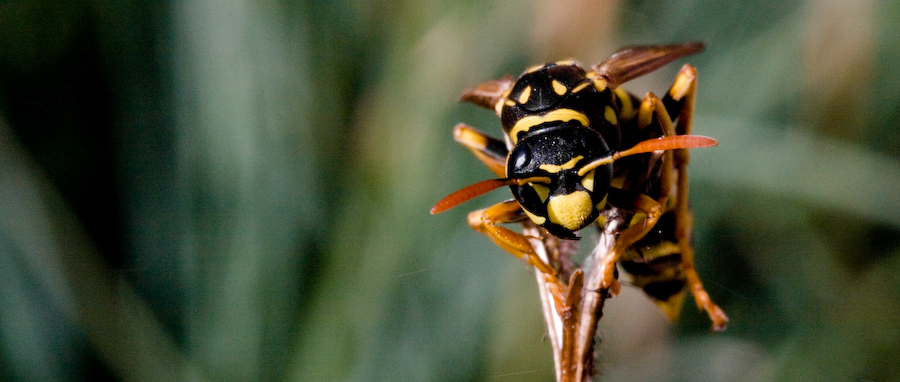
(577, 147)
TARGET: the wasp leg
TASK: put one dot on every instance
(491, 151)
(652, 110)
(683, 90)
(631, 202)
(486, 220)
(680, 99)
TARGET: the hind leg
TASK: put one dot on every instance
(680, 98)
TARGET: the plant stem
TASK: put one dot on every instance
(572, 323)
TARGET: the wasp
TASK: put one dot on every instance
(579, 150)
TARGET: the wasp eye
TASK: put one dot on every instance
(520, 157)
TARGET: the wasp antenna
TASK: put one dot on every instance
(469, 192)
(597, 163)
(479, 189)
(668, 143)
(655, 144)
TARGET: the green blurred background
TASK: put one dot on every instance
(239, 191)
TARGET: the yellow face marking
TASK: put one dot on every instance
(610, 115)
(542, 191)
(626, 106)
(523, 98)
(559, 88)
(539, 220)
(554, 168)
(580, 87)
(588, 181)
(570, 211)
(562, 115)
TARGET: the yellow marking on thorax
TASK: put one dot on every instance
(566, 62)
(562, 115)
(523, 98)
(554, 168)
(599, 82)
(580, 87)
(559, 88)
(610, 115)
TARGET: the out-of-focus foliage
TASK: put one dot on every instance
(238, 191)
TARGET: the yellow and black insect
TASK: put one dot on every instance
(578, 149)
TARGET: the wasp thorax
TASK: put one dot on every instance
(569, 201)
(559, 91)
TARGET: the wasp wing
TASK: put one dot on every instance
(632, 62)
(488, 94)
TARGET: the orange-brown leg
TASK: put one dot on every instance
(651, 110)
(491, 151)
(682, 92)
(486, 220)
(632, 202)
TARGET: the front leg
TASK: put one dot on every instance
(486, 221)
(491, 151)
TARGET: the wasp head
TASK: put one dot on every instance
(566, 202)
